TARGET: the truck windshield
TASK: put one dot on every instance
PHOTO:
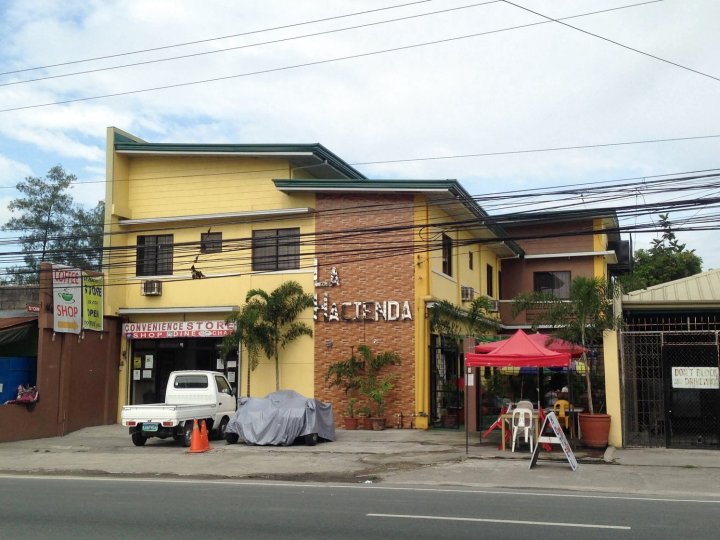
(191, 381)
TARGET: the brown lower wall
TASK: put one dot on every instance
(77, 379)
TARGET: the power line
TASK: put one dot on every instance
(207, 40)
(205, 175)
(514, 219)
(239, 47)
(536, 150)
(307, 64)
(559, 21)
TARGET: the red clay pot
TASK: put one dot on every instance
(595, 429)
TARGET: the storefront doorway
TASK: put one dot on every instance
(152, 361)
(446, 384)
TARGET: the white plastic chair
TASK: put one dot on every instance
(522, 422)
(525, 404)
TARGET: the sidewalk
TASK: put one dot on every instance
(408, 457)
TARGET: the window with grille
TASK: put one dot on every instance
(211, 242)
(489, 278)
(154, 255)
(447, 246)
(276, 249)
(556, 283)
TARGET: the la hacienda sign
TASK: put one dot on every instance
(384, 310)
(388, 310)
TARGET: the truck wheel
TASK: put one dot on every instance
(311, 439)
(187, 434)
(139, 439)
(231, 438)
(220, 433)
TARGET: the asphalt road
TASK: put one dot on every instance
(59, 508)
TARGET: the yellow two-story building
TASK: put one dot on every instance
(191, 228)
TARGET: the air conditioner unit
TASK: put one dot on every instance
(152, 288)
(467, 294)
(494, 304)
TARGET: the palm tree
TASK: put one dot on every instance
(276, 324)
(245, 321)
(580, 318)
(450, 320)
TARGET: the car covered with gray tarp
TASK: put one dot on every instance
(281, 418)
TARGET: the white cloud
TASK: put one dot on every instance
(12, 172)
(538, 87)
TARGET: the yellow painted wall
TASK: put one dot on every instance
(612, 386)
(142, 186)
(432, 284)
(423, 272)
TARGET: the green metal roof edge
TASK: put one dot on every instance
(368, 184)
(322, 153)
(452, 186)
(489, 221)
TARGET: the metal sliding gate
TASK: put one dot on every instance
(670, 389)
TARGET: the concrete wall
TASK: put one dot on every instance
(18, 297)
(611, 358)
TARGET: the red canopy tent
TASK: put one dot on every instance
(519, 351)
(549, 342)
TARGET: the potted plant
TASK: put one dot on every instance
(377, 390)
(365, 421)
(582, 318)
(351, 422)
(376, 386)
(347, 374)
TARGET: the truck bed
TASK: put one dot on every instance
(162, 412)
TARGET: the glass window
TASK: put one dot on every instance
(556, 283)
(470, 260)
(211, 242)
(490, 285)
(190, 381)
(222, 385)
(276, 249)
(447, 246)
(154, 255)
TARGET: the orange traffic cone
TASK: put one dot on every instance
(196, 442)
(204, 435)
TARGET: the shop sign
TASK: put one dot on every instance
(177, 329)
(698, 378)
(67, 299)
(92, 305)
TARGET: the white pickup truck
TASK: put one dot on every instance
(190, 395)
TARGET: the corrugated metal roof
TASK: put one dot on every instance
(703, 288)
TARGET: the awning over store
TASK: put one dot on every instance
(544, 340)
(14, 329)
(519, 351)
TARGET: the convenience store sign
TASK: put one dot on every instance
(177, 329)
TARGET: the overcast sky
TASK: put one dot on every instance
(454, 85)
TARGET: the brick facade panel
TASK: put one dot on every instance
(374, 264)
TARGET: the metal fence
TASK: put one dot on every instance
(657, 412)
